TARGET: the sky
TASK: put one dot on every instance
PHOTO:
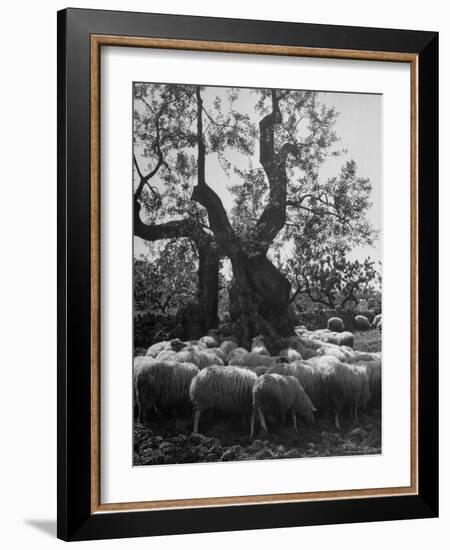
(358, 126)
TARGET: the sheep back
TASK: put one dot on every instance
(224, 389)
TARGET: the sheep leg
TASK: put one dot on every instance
(196, 421)
(336, 420)
(262, 419)
(294, 418)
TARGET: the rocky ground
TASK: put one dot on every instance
(168, 439)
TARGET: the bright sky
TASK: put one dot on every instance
(358, 126)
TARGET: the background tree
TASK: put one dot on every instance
(281, 208)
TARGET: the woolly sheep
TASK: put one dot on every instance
(275, 393)
(362, 389)
(373, 371)
(358, 356)
(227, 346)
(237, 352)
(161, 384)
(291, 354)
(222, 389)
(335, 324)
(306, 374)
(334, 351)
(343, 387)
(219, 352)
(362, 323)
(259, 371)
(166, 355)
(249, 359)
(209, 341)
(258, 346)
(200, 357)
(345, 339)
(172, 345)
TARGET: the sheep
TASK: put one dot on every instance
(345, 339)
(335, 324)
(362, 389)
(306, 374)
(200, 357)
(171, 345)
(362, 323)
(166, 355)
(162, 384)
(223, 389)
(249, 359)
(237, 352)
(258, 346)
(157, 348)
(357, 356)
(305, 346)
(259, 371)
(376, 320)
(373, 371)
(227, 346)
(275, 393)
(334, 351)
(209, 341)
(219, 353)
(344, 387)
(290, 354)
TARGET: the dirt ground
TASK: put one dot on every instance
(169, 439)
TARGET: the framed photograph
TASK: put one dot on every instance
(247, 255)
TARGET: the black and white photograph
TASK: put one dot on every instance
(257, 273)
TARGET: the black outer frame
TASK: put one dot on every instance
(75, 521)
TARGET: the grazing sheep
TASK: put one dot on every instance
(166, 355)
(227, 346)
(200, 357)
(344, 387)
(291, 354)
(345, 339)
(249, 359)
(237, 352)
(376, 320)
(334, 351)
(258, 346)
(157, 348)
(373, 370)
(335, 324)
(362, 323)
(362, 389)
(162, 384)
(219, 352)
(209, 341)
(306, 374)
(259, 371)
(222, 389)
(278, 394)
(357, 356)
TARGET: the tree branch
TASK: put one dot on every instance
(207, 197)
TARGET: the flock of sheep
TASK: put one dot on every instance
(318, 370)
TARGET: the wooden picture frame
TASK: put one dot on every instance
(81, 35)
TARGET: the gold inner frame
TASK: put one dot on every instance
(97, 41)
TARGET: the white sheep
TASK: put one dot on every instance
(362, 323)
(209, 341)
(222, 389)
(235, 353)
(275, 393)
(309, 378)
(345, 339)
(291, 354)
(162, 384)
(249, 359)
(258, 346)
(227, 346)
(335, 324)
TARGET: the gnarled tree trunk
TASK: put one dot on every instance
(259, 295)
